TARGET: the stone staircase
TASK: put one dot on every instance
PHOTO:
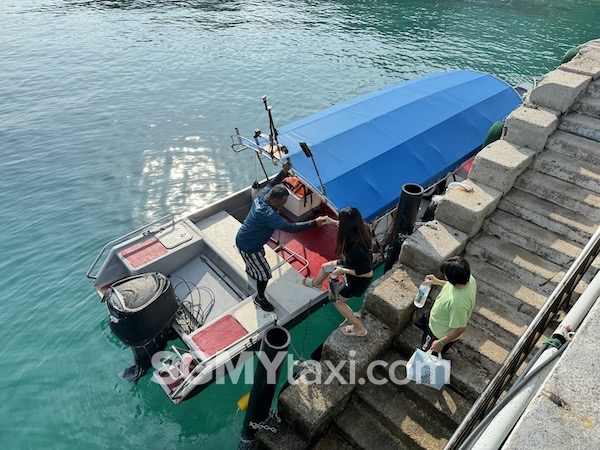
(536, 203)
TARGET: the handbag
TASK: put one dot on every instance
(428, 369)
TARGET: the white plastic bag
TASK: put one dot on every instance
(425, 368)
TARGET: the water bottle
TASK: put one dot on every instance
(422, 294)
(334, 289)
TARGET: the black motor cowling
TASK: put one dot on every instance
(141, 307)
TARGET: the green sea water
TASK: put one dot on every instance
(114, 113)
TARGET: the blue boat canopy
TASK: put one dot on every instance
(366, 148)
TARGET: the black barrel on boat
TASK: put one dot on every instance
(141, 307)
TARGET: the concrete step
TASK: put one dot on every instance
(588, 105)
(284, 438)
(359, 426)
(469, 376)
(594, 88)
(562, 193)
(579, 173)
(580, 124)
(482, 347)
(528, 268)
(532, 237)
(496, 318)
(333, 438)
(452, 405)
(504, 289)
(574, 146)
(532, 268)
(550, 216)
(491, 316)
(414, 421)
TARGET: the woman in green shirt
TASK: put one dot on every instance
(453, 306)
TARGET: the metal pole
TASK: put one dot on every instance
(256, 136)
(272, 351)
(308, 153)
(273, 133)
(404, 221)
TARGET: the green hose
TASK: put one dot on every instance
(554, 342)
(569, 55)
(494, 133)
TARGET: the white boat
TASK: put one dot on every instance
(182, 277)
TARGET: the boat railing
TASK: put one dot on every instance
(559, 299)
(274, 153)
(291, 255)
(111, 244)
(241, 143)
(272, 150)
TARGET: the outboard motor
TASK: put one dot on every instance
(141, 311)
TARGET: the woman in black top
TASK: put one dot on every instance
(353, 242)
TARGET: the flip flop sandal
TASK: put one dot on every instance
(308, 282)
(348, 330)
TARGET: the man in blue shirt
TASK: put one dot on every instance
(260, 223)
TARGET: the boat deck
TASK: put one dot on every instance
(307, 250)
(285, 290)
(216, 290)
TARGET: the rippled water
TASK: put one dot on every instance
(114, 113)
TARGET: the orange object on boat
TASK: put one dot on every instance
(295, 186)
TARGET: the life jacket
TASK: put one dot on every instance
(295, 186)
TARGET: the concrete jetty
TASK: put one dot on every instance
(535, 204)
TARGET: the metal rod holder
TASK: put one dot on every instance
(276, 340)
(404, 221)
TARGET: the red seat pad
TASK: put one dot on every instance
(219, 335)
(144, 252)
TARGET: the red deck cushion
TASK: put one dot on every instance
(144, 252)
(219, 335)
